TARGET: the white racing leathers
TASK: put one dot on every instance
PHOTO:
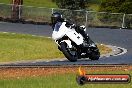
(65, 31)
(72, 44)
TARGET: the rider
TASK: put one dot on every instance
(57, 20)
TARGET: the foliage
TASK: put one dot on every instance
(71, 4)
(70, 15)
(126, 7)
(37, 3)
(116, 6)
(60, 81)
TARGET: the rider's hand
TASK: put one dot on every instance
(68, 24)
(73, 26)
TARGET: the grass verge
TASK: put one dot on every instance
(61, 80)
(38, 3)
(17, 47)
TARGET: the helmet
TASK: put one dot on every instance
(56, 17)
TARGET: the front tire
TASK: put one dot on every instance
(95, 54)
(67, 53)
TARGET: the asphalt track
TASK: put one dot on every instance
(115, 37)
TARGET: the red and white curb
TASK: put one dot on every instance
(116, 51)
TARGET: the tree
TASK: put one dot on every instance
(116, 6)
(71, 4)
(126, 7)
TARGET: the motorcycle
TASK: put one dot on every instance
(73, 44)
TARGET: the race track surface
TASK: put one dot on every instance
(115, 37)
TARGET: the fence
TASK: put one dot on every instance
(89, 18)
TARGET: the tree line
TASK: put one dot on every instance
(114, 6)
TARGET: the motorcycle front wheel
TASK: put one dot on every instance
(69, 54)
(95, 54)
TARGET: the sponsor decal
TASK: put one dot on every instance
(84, 78)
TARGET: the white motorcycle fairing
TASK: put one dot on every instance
(71, 33)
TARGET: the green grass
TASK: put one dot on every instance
(58, 81)
(5, 1)
(40, 3)
(17, 47)
(37, 3)
(93, 7)
(48, 3)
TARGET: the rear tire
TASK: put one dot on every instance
(67, 53)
